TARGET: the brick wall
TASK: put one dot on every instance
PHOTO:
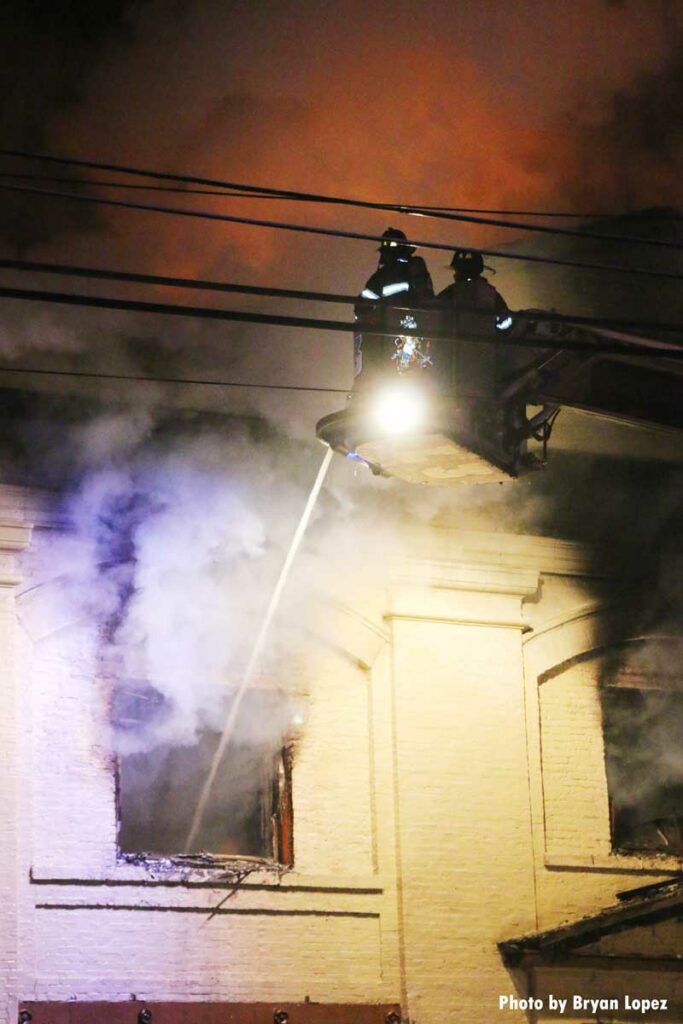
(430, 805)
(13, 537)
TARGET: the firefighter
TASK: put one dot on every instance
(472, 293)
(401, 279)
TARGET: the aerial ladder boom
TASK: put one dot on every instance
(481, 397)
(637, 387)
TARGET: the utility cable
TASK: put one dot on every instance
(664, 350)
(400, 207)
(518, 225)
(345, 201)
(96, 273)
(332, 232)
(87, 182)
(192, 381)
(549, 213)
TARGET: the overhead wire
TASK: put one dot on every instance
(87, 182)
(331, 232)
(69, 270)
(664, 350)
(415, 210)
(659, 215)
(96, 273)
(192, 381)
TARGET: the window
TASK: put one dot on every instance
(167, 660)
(249, 813)
(642, 713)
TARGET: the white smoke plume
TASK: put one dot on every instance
(175, 536)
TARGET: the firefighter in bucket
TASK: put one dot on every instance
(401, 280)
(470, 292)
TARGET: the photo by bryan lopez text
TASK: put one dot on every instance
(579, 1002)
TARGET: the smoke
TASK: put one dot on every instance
(172, 537)
(631, 148)
(175, 531)
(643, 728)
(175, 535)
(505, 105)
(501, 105)
(169, 551)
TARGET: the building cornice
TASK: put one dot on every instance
(14, 537)
(548, 555)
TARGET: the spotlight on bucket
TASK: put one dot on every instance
(400, 409)
(422, 406)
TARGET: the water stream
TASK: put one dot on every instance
(229, 726)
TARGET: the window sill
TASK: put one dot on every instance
(619, 863)
(199, 866)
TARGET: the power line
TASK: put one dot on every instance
(660, 216)
(87, 182)
(542, 228)
(171, 309)
(208, 313)
(171, 380)
(96, 273)
(167, 176)
(397, 207)
(67, 270)
(333, 232)
(420, 211)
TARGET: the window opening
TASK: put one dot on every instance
(643, 731)
(250, 809)
(159, 781)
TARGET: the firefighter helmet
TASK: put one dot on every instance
(467, 264)
(394, 240)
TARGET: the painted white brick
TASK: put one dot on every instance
(425, 804)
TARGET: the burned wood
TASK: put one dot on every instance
(557, 944)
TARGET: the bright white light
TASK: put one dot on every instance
(400, 410)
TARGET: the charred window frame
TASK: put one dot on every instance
(642, 717)
(249, 814)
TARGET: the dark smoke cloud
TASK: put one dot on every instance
(628, 150)
(483, 105)
(47, 53)
(487, 104)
